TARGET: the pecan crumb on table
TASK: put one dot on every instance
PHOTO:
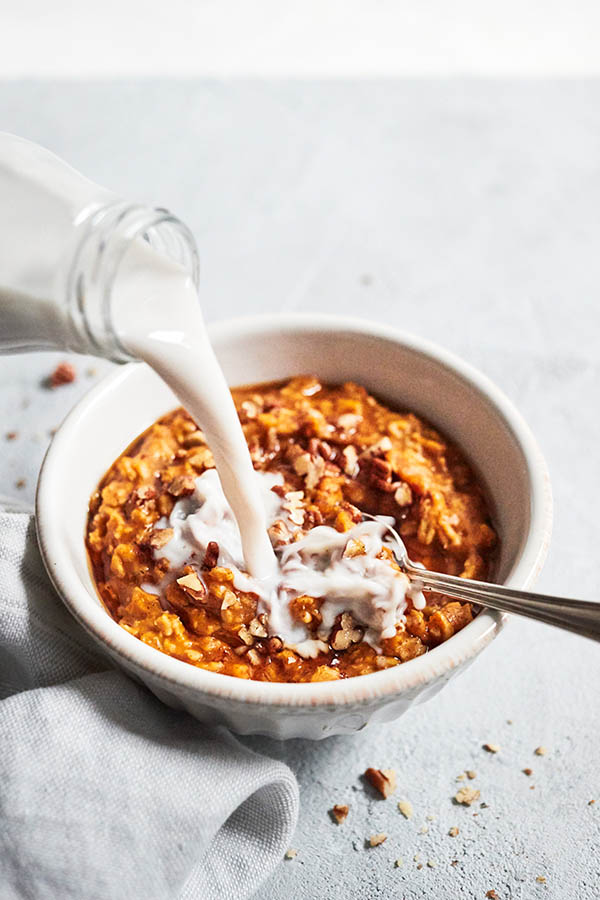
(340, 453)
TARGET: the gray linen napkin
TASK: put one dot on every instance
(104, 792)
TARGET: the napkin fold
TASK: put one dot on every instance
(105, 793)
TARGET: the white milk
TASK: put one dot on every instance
(364, 585)
(157, 317)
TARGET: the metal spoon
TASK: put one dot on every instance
(579, 616)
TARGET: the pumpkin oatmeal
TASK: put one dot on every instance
(324, 454)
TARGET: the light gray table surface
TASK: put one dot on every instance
(465, 211)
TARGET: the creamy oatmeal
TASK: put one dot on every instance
(166, 554)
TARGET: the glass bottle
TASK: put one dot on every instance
(62, 240)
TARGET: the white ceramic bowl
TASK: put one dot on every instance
(409, 373)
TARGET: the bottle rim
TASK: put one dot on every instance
(107, 233)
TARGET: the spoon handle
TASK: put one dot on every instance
(579, 616)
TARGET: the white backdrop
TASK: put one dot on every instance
(333, 38)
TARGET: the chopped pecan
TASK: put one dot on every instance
(350, 460)
(402, 493)
(195, 439)
(64, 373)
(295, 507)
(248, 410)
(257, 627)
(317, 447)
(245, 636)
(192, 585)
(348, 421)
(181, 486)
(158, 538)
(313, 517)
(211, 556)
(383, 780)
(202, 458)
(379, 448)
(312, 468)
(139, 497)
(279, 533)
(381, 468)
(354, 548)
(345, 633)
(339, 813)
(274, 644)
(228, 599)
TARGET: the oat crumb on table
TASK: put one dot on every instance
(540, 751)
(491, 748)
(291, 853)
(405, 807)
(376, 839)
(466, 796)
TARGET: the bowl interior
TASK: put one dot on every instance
(402, 373)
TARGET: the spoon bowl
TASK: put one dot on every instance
(577, 616)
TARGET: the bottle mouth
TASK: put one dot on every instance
(107, 233)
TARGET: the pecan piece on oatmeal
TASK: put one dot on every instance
(158, 538)
(139, 497)
(245, 636)
(345, 633)
(211, 556)
(257, 627)
(294, 506)
(350, 457)
(194, 439)
(279, 533)
(192, 585)
(181, 486)
(379, 448)
(354, 548)
(311, 468)
(349, 421)
(383, 780)
(339, 813)
(274, 644)
(402, 493)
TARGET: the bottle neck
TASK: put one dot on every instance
(104, 235)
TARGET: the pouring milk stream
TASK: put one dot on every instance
(83, 270)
